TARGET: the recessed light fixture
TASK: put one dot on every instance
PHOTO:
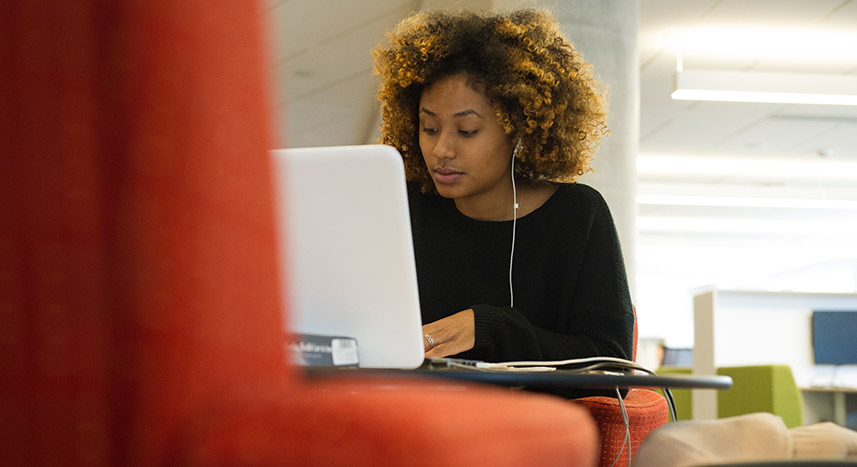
(796, 45)
(765, 87)
(776, 169)
(804, 49)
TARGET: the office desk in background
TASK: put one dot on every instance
(830, 404)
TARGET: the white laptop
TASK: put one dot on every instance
(347, 257)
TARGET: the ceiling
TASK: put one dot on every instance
(738, 194)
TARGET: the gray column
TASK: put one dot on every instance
(605, 32)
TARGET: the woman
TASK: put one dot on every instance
(495, 117)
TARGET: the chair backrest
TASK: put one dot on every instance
(634, 352)
(139, 281)
(761, 388)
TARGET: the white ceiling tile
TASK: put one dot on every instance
(661, 20)
(838, 143)
(839, 113)
(702, 126)
(268, 5)
(842, 17)
(338, 58)
(336, 132)
(301, 24)
(313, 115)
(772, 137)
(768, 13)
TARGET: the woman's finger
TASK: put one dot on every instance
(429, 342)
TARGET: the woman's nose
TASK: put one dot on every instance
(445, 147)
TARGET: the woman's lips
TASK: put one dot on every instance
(446, 175)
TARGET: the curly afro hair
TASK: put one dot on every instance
(540, 86)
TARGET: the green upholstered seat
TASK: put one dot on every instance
(758, 388)
(761, 388)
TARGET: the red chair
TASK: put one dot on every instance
(646, 409)
(141, 319)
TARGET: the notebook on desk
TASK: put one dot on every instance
(347, 258)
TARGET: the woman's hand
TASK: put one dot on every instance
(451, 335)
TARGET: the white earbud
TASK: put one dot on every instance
(515, 153)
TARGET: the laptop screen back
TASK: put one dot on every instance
(346, 252)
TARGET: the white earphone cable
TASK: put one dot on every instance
(514, 224)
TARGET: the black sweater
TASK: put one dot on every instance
(570, 288)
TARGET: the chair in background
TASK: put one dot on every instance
(646, 409)
(761, 388)
(141, 316)
(756, 388)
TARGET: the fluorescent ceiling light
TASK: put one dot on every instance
(744, 202)
(771, 169)
(766, 87)
(792, 44)
(831, 230)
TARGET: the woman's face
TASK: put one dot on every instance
(465, 149)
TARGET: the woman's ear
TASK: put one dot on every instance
(517, 147)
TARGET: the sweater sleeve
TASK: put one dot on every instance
(504, 334)
(603, 311)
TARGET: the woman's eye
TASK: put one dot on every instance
(467, 133)
(430, 131)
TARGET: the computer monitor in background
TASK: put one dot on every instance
(834, 337)
(677, 357)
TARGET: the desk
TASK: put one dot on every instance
(537, 380)
(839, 414)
